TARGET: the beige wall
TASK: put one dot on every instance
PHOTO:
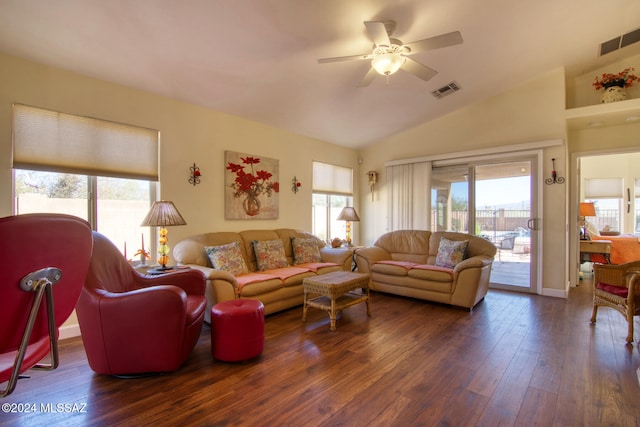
(189, 134)
(530, 113)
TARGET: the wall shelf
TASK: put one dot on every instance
(600, 115)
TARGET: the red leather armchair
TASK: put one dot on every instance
(43, 266)
(133, 324)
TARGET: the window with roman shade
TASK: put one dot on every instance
(332, 179)
(332, 188)
(59, 142)
(603, 188)
(607, 195)
(102, 171)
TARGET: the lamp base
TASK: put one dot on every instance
(160, 270)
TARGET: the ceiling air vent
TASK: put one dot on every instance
(619, 42)
(446, 90)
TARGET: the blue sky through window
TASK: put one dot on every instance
(508, 193)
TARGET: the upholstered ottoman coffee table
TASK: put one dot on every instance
(333, 292)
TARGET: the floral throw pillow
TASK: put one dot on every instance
(270, 254)
(305, 250)
(227, 257)
(451, 252)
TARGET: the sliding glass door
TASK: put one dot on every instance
(495, 199)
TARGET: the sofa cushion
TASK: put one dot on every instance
(404, 264)
(291, 275)
(431, 272)
(269, 254)
(451, 252)
(620, 291)
(253, 284)
(406, 245)
(389, 268)
(320, 267)
(227, 257)
(305, 250)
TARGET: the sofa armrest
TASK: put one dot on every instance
(212, 273)
(366, 257)
(340, 256)
(477, 261)
(223, 281)
(471, 281)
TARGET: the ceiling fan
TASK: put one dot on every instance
(389, 55)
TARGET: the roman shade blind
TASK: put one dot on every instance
(59, 142)
(332, 179)
(603, 188)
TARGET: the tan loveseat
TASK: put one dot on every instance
(403, 263)
(278, 289)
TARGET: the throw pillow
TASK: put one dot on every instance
(270, 254)
(451, 252)
(227, 257)
(305, 250)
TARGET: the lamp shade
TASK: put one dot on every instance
(587, 209)
(348, 214)
(163, 214)
(387, 63)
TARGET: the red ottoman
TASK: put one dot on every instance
(237, 330)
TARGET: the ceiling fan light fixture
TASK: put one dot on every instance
(387, 63)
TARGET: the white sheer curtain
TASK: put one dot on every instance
(409, 196)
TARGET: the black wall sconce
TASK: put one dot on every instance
(194, 177)
(555, 179)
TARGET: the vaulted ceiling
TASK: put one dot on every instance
(258, 58)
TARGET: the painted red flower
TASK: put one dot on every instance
(253, 183)
(264, 175)
(250, 160)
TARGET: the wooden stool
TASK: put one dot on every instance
(237, 330)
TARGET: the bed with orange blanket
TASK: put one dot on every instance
(624, 248)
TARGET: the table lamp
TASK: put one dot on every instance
(348, 214)
(163, 214)
(586, 209)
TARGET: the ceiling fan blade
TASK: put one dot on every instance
(419, 70)
(378, 33)
(368, 78)
(345, 58)
(444, 40)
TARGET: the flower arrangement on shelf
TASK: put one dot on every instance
(623, 79)
(252, 184)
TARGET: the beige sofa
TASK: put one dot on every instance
(278, 289)
(403, 263)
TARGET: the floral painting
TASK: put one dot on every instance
(251, 187)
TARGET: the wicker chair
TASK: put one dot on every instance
(617, 286)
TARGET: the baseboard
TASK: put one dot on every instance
(70, 331)
(557, 293)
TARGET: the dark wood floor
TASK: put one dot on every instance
(515, 360)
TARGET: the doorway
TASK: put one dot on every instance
(497, 200)
(611, 181)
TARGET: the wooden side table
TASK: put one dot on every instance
(602, 247)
